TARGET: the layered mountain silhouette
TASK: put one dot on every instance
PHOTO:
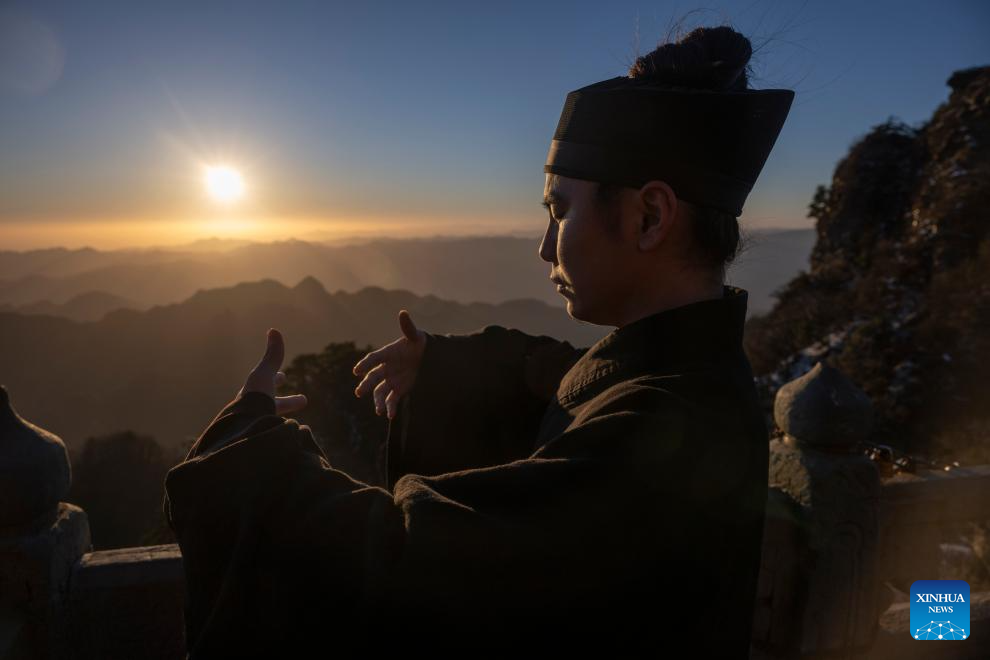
(167, 370)
(90, 306)
(474, 269)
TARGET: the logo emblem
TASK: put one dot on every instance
(940, 610)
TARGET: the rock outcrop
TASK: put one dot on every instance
(897, 295)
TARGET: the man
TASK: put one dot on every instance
(618, 508)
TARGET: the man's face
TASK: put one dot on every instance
(584, 251)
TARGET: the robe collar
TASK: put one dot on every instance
(680, 339)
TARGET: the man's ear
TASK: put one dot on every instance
(658, 206)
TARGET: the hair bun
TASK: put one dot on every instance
(714, 58)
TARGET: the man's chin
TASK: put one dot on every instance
(578, 312)
(574, 310)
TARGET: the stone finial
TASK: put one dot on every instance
(34, 469)
(823, 408)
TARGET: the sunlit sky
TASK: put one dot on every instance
(400, 119)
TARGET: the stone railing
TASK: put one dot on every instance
(841, 548)
(58, 599)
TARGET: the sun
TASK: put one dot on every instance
(224, 184)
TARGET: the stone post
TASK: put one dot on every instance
(822, 525)
(41, 538)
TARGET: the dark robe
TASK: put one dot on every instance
(621, 510)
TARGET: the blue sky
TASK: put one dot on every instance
(401, 118)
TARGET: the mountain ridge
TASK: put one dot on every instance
(166, 370)
(896, 295)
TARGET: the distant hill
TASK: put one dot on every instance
(167, 370)
(90, 306)
(768, 261)
(475, 269)
(897, 292)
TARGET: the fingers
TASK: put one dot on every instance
(407, 325)
(391, 402)
(289, 404)
(380, 393)
(368, 361)
(370, 381)
(409, 331)
(280, 379)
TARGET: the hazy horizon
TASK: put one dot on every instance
(121, 236)
(321, 236)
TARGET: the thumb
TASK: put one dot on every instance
(408, 327)
(289, 404)
(274, 352)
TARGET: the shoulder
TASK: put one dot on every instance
(668, 411)
(644, 396)
(706, 395)
(625, 415)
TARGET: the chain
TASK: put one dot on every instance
(892, 461)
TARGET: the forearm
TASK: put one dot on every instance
(478, 400)
(267, 516)
(249, 413)
(497, 361)
(277, 544)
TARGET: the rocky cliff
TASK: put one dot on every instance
(896, 295)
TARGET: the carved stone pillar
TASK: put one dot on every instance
(822, 527)
(41, 537)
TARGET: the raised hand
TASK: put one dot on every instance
(391, 371)
(265, 376)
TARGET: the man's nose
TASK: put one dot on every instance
(548, 246)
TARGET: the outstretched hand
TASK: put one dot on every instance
(390, 372)
(265, 376)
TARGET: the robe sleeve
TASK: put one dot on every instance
(281, 548)
(478, 400)
(245, 415)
